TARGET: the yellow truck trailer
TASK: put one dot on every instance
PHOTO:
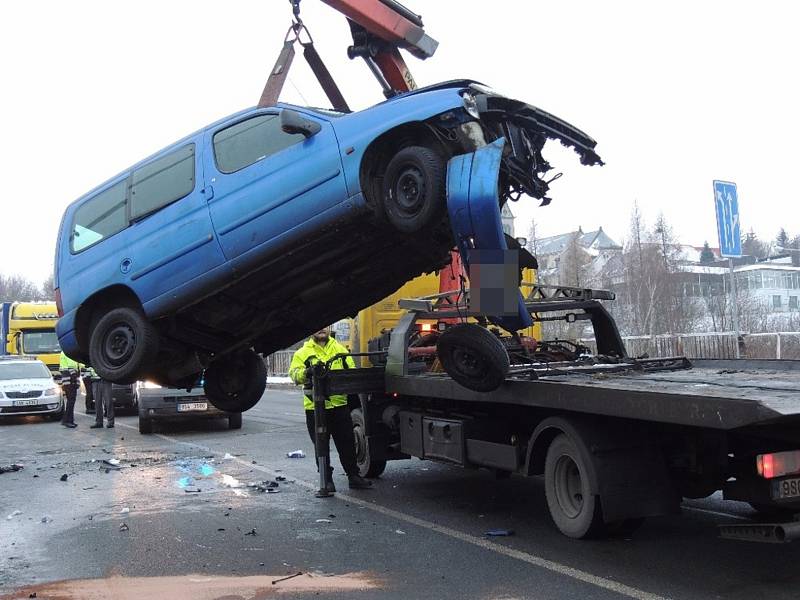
(31, 332)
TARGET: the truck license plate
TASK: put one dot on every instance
(189, 406)
(25, 402)
(787, 488)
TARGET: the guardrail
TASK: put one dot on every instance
(278, 363)
(778, 345)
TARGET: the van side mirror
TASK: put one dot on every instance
(293, 122)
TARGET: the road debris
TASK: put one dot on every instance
(192, 490)
(400, 531)
(13, 514)
(124, 527)
(274, 581)
(252, 532)
(296, 454)
(11, 469)
(264, 486)
(500, 532)
(46, 519)
(280, 478)
(114, 462)
(228, 456)
(63, 477)
(323, 521)
(125, 511)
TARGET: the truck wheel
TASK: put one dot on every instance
(575, 510)
(145, 425)
(235, 421)
(122, 345)
(236, 383)
(473, 356)
(367, 466)
(414, 189)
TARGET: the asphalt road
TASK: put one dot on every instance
(420, 533)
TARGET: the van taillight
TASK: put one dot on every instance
(778, 464)
(58, 303)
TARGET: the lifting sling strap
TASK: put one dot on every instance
(279, 73)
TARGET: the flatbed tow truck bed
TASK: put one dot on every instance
(616, 438)
(717, 397)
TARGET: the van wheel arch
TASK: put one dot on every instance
(381, 151)
(96, 305)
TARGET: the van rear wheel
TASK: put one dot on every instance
(123, 344)
(414, 189)
(236, 383)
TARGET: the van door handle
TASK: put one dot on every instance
(208, 192)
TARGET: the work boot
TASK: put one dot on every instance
(68, 424)
(110, 425)
(357, 482)
(96, 426)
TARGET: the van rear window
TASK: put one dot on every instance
(99, 217)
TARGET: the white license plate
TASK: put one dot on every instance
(189, 406)
(25, 402)
(786, 488)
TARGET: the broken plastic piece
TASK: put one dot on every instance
(11, 468)
(125, 510)
(251, 532)
(296, 454)
(64, 477)
(500, 532)
(323, 521)
(400, 531)
(46, 519)
(124, 527)
(14, 514)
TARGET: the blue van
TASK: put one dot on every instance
(261, 228)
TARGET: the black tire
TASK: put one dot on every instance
(235, 421)
(575, 510)
(145, 425)
(236, 383)
(123, 345)
(367, 465)
(473, 356)
(624, 528)
(413, 194)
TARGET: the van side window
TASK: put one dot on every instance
(162, 181)
(250, 141)
(99, 217)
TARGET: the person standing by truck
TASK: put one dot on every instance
(321, 347)
(103, 402)
(70, 374)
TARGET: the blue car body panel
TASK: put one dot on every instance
(222, 261)
(474, 210)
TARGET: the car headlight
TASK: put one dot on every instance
(51, 392)
(470, 105)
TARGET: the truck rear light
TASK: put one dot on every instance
(58, 303)
(426, 327)
(778, 464)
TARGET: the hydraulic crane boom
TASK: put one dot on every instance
(379, 27)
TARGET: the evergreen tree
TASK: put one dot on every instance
(706, 255)
(782, 238)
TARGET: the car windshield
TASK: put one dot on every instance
(23, 370)
(40, 342)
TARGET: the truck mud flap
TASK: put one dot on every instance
(474, 209)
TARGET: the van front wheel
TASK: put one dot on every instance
(123, 344)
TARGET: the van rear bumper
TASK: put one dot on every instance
(67, 339)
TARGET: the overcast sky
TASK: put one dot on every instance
(675, 93)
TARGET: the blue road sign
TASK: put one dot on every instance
(726, 203)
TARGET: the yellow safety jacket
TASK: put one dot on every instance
(65, 362)
(310, 353)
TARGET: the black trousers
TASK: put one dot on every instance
(340, 427)
(103, 401)
(71, 392)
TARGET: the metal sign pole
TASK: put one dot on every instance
(321, 437)
(734, 307)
